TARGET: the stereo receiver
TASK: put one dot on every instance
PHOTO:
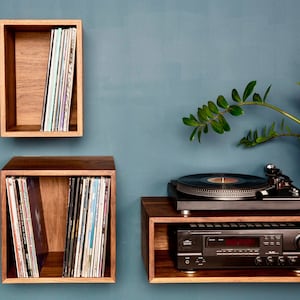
(235, 245)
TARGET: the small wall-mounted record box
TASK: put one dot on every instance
(24, 63)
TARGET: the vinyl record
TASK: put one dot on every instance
(221, 186)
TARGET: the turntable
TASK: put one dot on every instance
(230, 191)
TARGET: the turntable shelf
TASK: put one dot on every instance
(159, 212)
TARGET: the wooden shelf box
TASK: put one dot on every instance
(157, 213)
(24, 51)
(53, 173)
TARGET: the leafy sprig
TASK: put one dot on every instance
(212, 115)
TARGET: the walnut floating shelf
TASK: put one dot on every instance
(24, 54)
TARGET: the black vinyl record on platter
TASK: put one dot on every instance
(221, 186)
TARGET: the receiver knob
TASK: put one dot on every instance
(270, 260)
(281, 260)
(292, 260)
(297, 241)
(258, 261)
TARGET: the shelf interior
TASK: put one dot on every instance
(54, 196)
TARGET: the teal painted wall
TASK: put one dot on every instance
(148, 63)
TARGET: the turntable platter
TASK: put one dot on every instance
(221, 186)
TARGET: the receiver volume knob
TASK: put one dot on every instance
(297, 241)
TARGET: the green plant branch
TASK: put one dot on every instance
(210, 116)
(251, 140)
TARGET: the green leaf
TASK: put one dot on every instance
(247, 142)
(243, 142)
(235, 96)
(257, 98)
(221, 101)
(190, 122)
(205, 129)
(217, 127)
(264, 131)
(255, 135)
(199, 135)
(288, 129)
(282, 125)
(249, 89)
(235, 110)
(261, 140)
(213, 107)
(202, 115)
(192, 136)
(192, 117)
(224, 123)
(266, 93)
(271, 130)
(249, 135)
(208, 112)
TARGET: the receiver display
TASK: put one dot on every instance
(232, 241)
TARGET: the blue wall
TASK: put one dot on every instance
(148, 63)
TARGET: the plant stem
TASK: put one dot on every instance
(288, 115)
